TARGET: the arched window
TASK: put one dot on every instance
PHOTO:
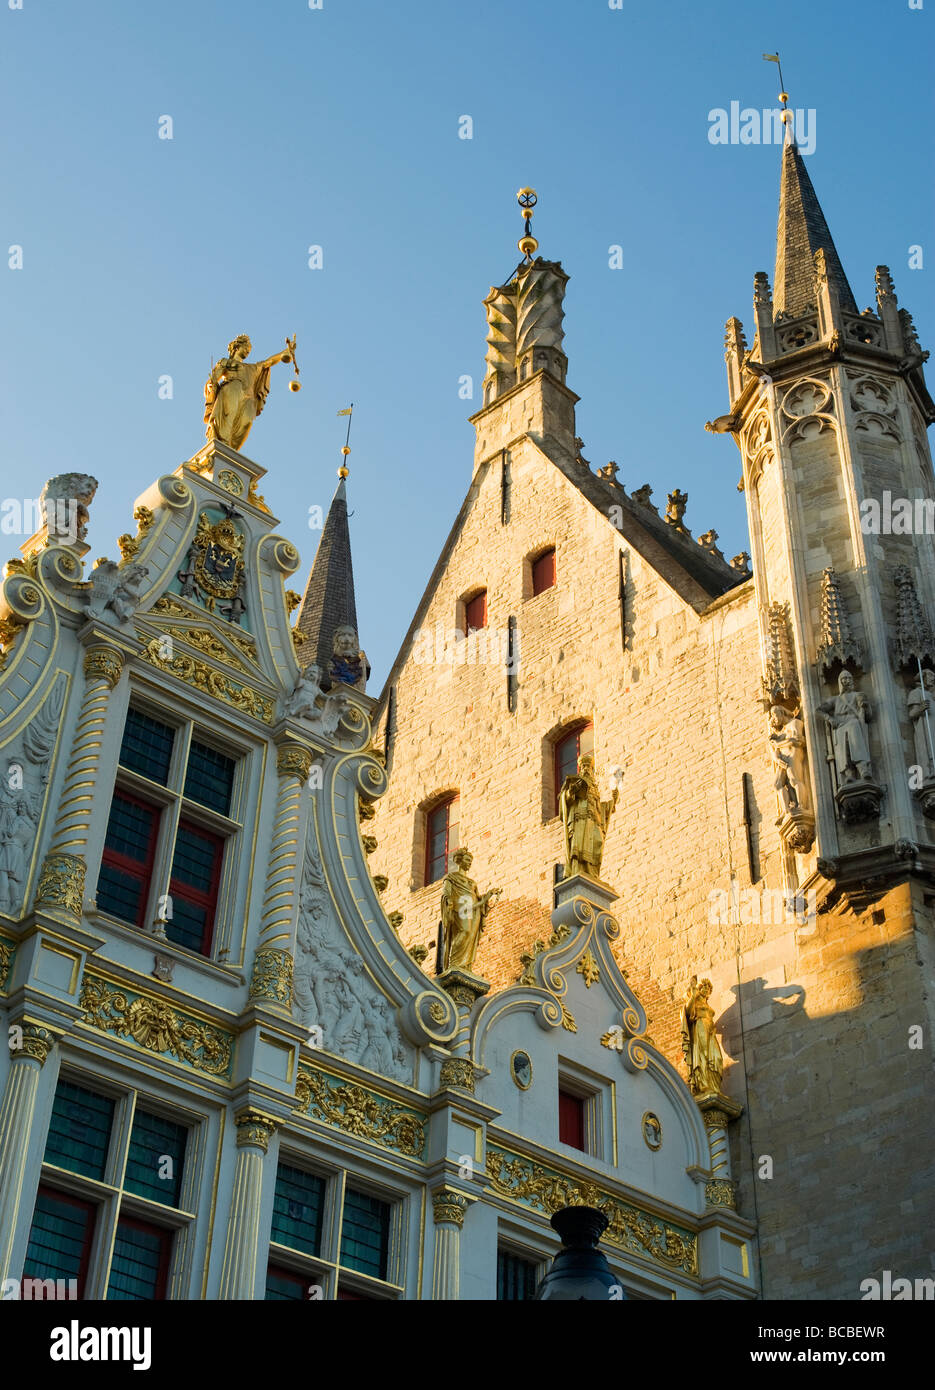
(441, 837)
(566, 750)
(543, 571)
(473, 616)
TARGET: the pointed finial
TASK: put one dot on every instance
(527, 244)
(343, 471)
(784, 98)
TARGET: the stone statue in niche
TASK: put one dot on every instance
(584, 819)
(921, 703)
(847, 715)
(787, 749)
(700, 1047)
(464, 911)
(23, 787)
(18, 819)
(349, 665)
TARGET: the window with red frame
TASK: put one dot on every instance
(441, 838)
(193, 887)
(139, 1268)
(475, 612)
(543, 572)
(127, 862)
(60, 1238)
(567, 751)
(285, 1284)
(571, 1119)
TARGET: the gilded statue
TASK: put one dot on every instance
(700, 1047)
(847, 714)
(584, 819)
(464, 911)
(236, 391)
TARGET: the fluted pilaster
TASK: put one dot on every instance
(17, 1112)
(238, 1273)
(273, 963)
(448, 1208)
(61, 882)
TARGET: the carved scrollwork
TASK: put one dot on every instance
(547, 1189)
(280, 553)
(360, 1112)
(154, 1025)
(175, 492)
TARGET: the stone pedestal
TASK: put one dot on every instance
(465, 989)
(717, 1111)
(594, 890)
(859, 801)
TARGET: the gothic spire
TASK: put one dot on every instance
(801, 232)
(328, 602)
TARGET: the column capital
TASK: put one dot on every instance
(449, 1206)
(294, 760)
(37, 1041)
(61, 883)
(104, 662)
(457, 1071)
(254, 1128)
(272, 976)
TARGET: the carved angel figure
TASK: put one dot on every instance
(116, 587)
(700, 1047)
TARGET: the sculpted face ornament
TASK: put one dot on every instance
(349, 664)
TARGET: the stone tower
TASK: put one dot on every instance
(829, 409)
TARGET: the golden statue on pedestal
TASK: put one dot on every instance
(236, 390)
(700, 1047)
(464, 909)
(584, 819)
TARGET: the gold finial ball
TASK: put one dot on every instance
(345, 450)
(343, 472)
(526, 197)
(786, 117)
(528, 245)
(783, 96)
(295, 386)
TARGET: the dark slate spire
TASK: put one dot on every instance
(328, 602)
(802, 231)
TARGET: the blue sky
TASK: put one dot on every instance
(339, 127)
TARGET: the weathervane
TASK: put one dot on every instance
(346, 446)
(783, 95)
(526, 197)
